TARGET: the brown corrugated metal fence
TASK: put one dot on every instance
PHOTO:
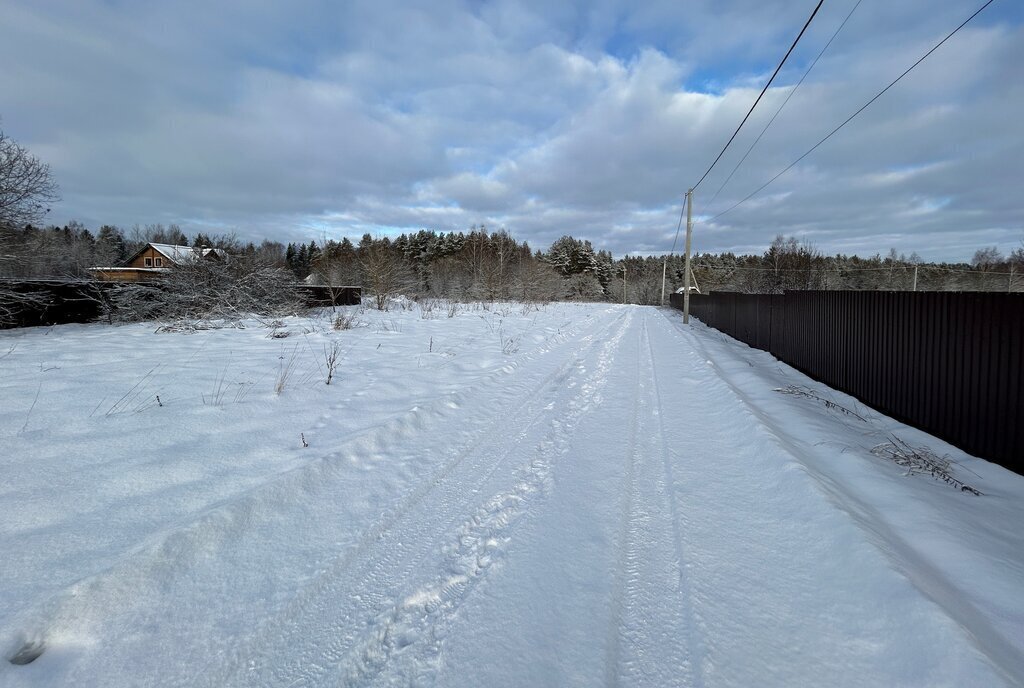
(950, 363)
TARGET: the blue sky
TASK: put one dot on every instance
(292, 120)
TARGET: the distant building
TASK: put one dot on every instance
(153, 260)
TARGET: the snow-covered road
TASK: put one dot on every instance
(617, 500)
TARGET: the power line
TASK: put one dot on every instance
(848, 119)
(903, 267)
(682, 210)
(788, 96)
(679, 226)
(763, 90)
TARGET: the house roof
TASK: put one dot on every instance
(186, 254)
(180, 254)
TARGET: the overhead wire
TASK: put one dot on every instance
(850, 118)
(784, 102)
(761, 95)
(679, 226)
(682, 211)
(924, 267)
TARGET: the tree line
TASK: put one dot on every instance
(492, 265)
(479, 264)
(790, 264)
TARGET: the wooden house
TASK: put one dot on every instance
(154, 260)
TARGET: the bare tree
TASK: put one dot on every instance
(26, 187)
(335, 268)
(503, 250)
(540, 282)
(384, 272)
(1017, 256)
(447, 278)
(790, 264)
(1016, 261)
(986, 259)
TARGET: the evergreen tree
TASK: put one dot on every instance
(110, 247)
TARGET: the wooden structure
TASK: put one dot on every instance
(153, 260)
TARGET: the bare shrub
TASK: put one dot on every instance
(509, 344)
(136, 302)
(345, 320)
(14, 301)
(798, 391)
(190, 326)
(921, 460)
(427, 307)
(285, 368)
(204, 290)
(389, 326)
(916, 460)
(135, 399)
(216, 396)
(242, 390)
(331, 355)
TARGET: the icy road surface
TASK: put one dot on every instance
(576, 495)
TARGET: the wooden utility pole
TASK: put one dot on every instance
(623, 281)
(686, 265)
(664, 267)
(915, 279)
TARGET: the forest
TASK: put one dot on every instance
(480, 264)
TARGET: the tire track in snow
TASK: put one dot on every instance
(625, 567)
(652, 638)
(406, 636)
(172, 551)
(522, 418)
(452, 398)
(695, 649)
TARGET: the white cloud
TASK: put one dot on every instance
(587, 118)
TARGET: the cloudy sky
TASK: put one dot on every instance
(295, 120)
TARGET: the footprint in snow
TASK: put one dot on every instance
(28, 653)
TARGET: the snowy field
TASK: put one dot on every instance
(569, 495)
